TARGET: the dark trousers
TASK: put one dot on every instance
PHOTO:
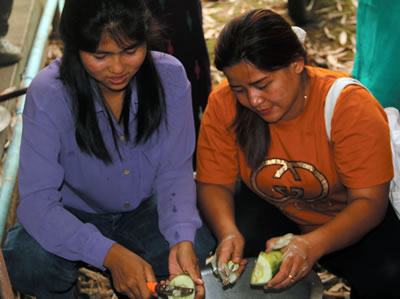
(371, 266)
(5, 11)
(37, 272)
(183, 24)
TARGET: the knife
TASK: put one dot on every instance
(169, 290)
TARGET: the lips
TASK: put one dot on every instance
(117, 80)
(264, 111)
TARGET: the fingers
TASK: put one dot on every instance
(237, 253)
(223, 255)
(143, 291)
(279, 242)
(230, 248)
(194, 272)
(270, 244)
(129, 272)
(200, 291)
(290, 272)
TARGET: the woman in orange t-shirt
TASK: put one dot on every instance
(264, 127)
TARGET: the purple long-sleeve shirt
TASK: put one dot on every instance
(54, 173)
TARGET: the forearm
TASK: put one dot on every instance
(216, 203)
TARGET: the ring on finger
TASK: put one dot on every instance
(291, 277)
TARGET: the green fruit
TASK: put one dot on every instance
(267, 265)
(185, 281)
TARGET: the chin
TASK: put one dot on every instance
(117, 89)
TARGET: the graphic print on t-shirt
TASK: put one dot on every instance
(282, 168)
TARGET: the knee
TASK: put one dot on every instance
(31, 267)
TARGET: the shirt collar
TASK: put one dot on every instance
(98, 103)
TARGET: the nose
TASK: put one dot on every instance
(255, 98)
(116, 64)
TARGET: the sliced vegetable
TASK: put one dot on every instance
(267, 265)
(185, 281)
(227, 273)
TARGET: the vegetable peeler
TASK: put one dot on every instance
(169, 290)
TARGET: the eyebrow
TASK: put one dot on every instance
(259, 81)
(251, 83)
(134, 45)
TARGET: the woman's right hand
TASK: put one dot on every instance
(129, 272)
(231, 248)
(216, 202)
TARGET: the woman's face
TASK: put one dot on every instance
(274, 96)
(111, 66)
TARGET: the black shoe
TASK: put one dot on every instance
(9, 53)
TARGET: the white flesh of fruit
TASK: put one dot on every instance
(183, 280)
(266, 267)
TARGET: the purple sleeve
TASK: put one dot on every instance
(40, 210)
(175, 184)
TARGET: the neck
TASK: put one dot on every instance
(115, 102)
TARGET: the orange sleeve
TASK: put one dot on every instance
(361, 139)
(217, 157)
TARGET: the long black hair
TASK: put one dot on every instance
(263, 39)
(81, 26)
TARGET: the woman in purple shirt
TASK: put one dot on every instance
(106, 174)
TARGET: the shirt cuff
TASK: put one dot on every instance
(180, 233)
(96, 254)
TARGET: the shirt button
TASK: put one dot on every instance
(127, 206)
(126, 171)
(122, 138)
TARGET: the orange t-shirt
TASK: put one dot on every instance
(304, 174)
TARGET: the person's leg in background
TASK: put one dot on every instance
(9, 53)
(185, 40)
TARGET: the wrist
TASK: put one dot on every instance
(228, 233)
(111, 255)
(315, 244)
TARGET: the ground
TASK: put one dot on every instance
(330, 43)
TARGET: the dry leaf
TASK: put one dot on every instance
(328, 33)
(339, 6)
(343, 38)
(343, 20)
(353, 39)
(336, 287)
(337, 294)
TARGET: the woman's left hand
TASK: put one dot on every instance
(182, 259)
(297, 261)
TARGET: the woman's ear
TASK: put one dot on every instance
(298, 65)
